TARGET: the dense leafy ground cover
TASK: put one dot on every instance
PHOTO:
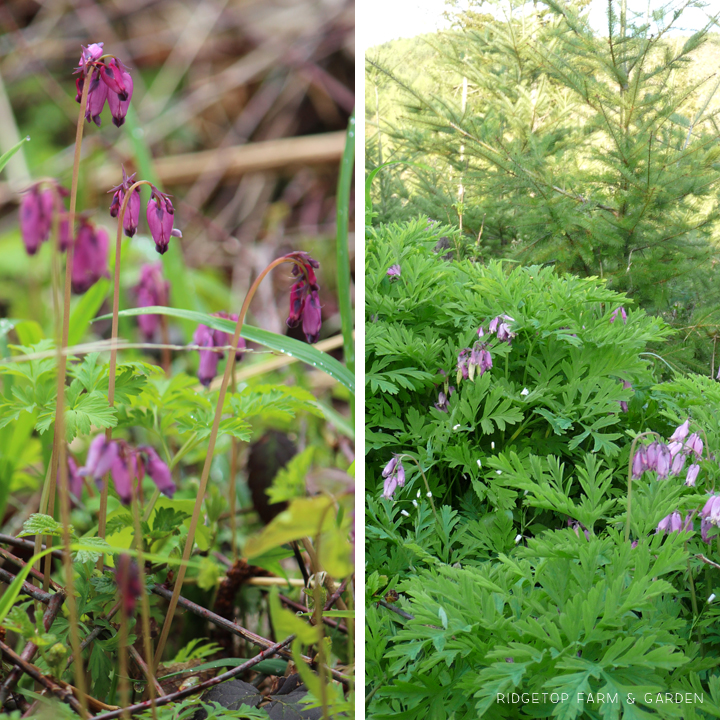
(176, 461)
(540, 519)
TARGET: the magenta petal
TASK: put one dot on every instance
(101, 455)
(312, 317)
(90, 257)
(119, 107)
(159, 472)
(122, 479)
(132, 214)
(30, 221)
(113, 77)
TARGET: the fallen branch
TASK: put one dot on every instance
(64, 694)
(31, 648)
(27, 588)
(181, 694)
(242, 159)
(237, 629)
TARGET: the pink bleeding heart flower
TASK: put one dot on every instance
(692, 474)
(31, 223)
(128, 582)
(131, 218)
(89, 55)
(119, 107)
(209, 359)
(160, 214)
(711, 510)
(394, 271)
(152, 290)
(694, 444)
(158, 471)
(678, 462)
(114, 74)
(90, 258)
(621, 311)
(97, 95)
(304, 296)
(663, 461)
(640, 462)
(681, 432)
(101, 455)
(222, 338)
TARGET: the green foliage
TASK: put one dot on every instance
(513, 572)
(544, 141)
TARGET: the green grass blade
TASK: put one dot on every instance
(294, 348)
(343, 259)
(86, 309)
(5, 158)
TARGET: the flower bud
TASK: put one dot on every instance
(128, 582)
(90, 257)
(158, 471)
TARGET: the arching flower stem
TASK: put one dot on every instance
(211, 450)
(650, 433)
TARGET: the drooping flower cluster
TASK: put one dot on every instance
(478, 360)
(126, 465)
(499, 325)
(152, 290)
(443, 397)
(110, 82)
(304, 297)
(160, 212)
(38, 207)
(90, 256)
(623, 315)
(674, 523)
(710, 515)
(394, 474)
(666, 460)
(132, 212)
(213, 339)
(393, 271)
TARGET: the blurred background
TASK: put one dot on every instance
(239, 111)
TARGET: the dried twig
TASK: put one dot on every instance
(181, 694)
(64, 694)
(31, 648)
(27, 588)
(239, 630)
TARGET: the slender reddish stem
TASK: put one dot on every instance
(59, 439)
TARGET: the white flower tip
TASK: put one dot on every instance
(456, 427)
(711, 598)
(429, 494)
(499, 472)
(525, 391)
(418, 493)
(405, 513)
(518, 538)
(492, 444)
(415, 503)
(479, 463)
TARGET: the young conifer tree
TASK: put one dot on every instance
(597, 151)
